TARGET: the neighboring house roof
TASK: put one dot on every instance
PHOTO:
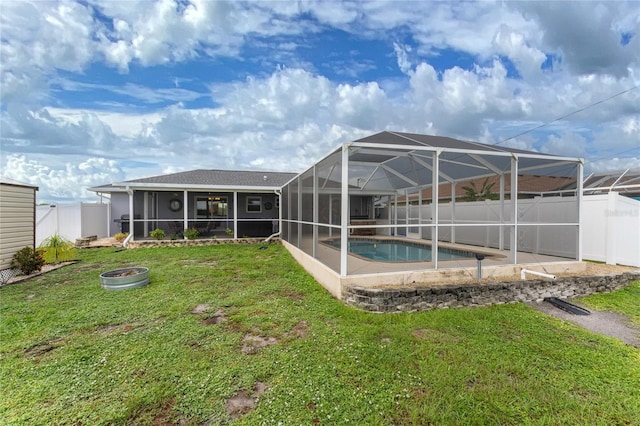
(627, 182)
(205, 179)
(527, 184)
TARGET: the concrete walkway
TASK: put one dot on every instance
(601, 322)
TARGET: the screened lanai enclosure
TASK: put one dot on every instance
(395, 202)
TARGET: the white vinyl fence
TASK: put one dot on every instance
(611, 229)
(545, 225)
(610, 226)
(72, 221)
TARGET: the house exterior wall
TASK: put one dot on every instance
(151, 211)
(119, 206)
(17, 220)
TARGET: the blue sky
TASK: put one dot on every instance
(101, 91)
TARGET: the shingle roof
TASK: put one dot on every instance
(220, 177)
(526, 184)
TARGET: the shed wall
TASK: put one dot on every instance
(17, 219)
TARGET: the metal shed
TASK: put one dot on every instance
(17, 218)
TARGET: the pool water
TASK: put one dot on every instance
(398, 251)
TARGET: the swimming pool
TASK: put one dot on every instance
(398, 250)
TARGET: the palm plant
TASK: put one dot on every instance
(57, 249)
(483, 193)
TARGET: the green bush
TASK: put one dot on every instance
(57, 249)
(120, 236)
(191, 233)
(27, 260)
(158, 234)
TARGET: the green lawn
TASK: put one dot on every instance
(625, 301)
(72, 353)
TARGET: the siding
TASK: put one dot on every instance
(17, 218)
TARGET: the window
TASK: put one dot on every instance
(211, 207)
(254, 204)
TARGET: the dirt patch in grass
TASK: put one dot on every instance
(201, 309)
(294, 295)
(299, 331)
(41, 349)
(159, 415)
(199, 264)
(217, 318)
(251, 344)
(243, 402)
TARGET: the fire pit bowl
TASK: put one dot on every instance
(125, 278)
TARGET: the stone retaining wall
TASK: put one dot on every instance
(448, 296)
(198, 242)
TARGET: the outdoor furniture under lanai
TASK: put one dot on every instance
(363, 231)
(204, 228)
(176, 227)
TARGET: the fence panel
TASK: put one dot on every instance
(71, 221)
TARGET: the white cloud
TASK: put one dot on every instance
(613, 164)
(123, 125)
(402, 55)
(566, 144)
(289, 118)
(62, 182)
(515, 45)
(585, 34)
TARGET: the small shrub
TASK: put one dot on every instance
(27, 260)
(57, 249)
(229, 232)
(121, 236)
(191, 233)
(158, 234)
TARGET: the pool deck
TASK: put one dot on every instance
(376, 274)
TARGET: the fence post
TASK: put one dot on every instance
(610, 229)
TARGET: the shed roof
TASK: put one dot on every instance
(7, 181)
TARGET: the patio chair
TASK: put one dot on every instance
(176, 228)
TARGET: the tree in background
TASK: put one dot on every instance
(483, 193)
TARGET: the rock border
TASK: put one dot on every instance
(198, 242)
(421, 298)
